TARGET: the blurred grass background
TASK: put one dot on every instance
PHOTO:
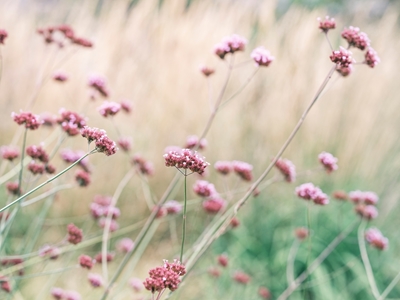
(150, 52)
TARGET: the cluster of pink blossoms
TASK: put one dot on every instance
(71, 122)
(165, 277)
(328, 161)
(206, 71)
(193, 141)
(30, 120)
(212, 203)
(50, 36)
(60, 294)
(12, 188)
(369, 198)
(326, 24)
(262, 57)
(223, 167)
(204, 189)
(376, 239)
(98, 83)
(101, 207)
(103, 143)
(301, 233)
(125, 245)
(3, 36)
(82, 177)
(308, 191)
(109, 108)
(10, 153)
(186, 159)
(125, 143)
(356, 38)
(230, 44)
(71, 156)
(37, 152)
(145, 167)
(75, 234)
(95, 280)
(241, 277)
(243, 169)
(51, 252)
(287, 168)
(86, 262)
(342, 57)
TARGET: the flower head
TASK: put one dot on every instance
(356, 38)
(308, 191)
(241, 277)
(193, 141)
(264, 292)
(95, 280)
(126, 106)
(30, 120)
(371, 58)
(136, 284)
(328, 161)
(145, 167)
(36, 168)
(37, 152)
(71, 122)
(230, 44)
(125, 144)
(74, 234)
(109, 108)
(326, 24)
(376, 239)
(186, 159)
(344, 70)
(82, 177)
(60, 76)
(223, 167)
(222, 260)
(214, 204)
(342, 57)
(204, 189)
(262, 57)
(301, 233)
(3, 36)
(125, 245)
(287, 168)
(173, 207)
(165, 277)
(9, 153)
(367, 212)
(98, 83)
(207, 71)
(243, 169)
(86, 261)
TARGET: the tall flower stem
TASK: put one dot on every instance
(47, 181)
(184, 218)
(364, 257)
(22, 163)
(390, 287)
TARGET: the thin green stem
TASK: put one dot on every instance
(47, 181)
(22, 163)
(365, 259)
(184, 219)
(290, 262)
(390, 287)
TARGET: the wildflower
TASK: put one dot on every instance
(86, 261)
(186, 159)
(367, 212)
(125, 144)
(30, 120)
(230, 44)
(356, 38)
(371, 58)
(308, 191)
(165, 277)
(370, 198)
(106, 145)
(264, 292)
(136, 284)
(241, 277)
(70, 156)
(342, 57)
(207, 71)
(214, 204)
(50, 169)
(71, 122)
(344, 71)
(161, 211)
(74, 234)
(214, 272)
(37, 152)
(36, 168)
(125, 245)
(287, 168)
(109, 108)
(328, 161)
(12, 188)
(95, 280)
(5, 284)
(262, 57)
(223, 260)
(82, 42)
(223, 167)
(301, 233)
(375, 238)
(193, 141)
(3, 36)
(363, 197)
(99, 257)
(126, 106)
(82, 177)
(72, 295)
(51, 251)
(98, 83)
(243, 169)
(234, 222)
(204, 189)
(113, 224)
(145, 167)
(48, 119)
(60, 76)
(340, 195)
(173, 207)
(9, 153)
(57, 293)
(113, 211)
(327, 24)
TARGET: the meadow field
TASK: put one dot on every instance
(150, 53)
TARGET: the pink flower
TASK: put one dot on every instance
(113, 224)
(326, 24)
(82, 177)
(57, 293)
(125, 245)
(10, 153)
(3, 36)
(70, 156)
(50, 251)
(186, 159)
(235, 222)
(223, 167)
(165, 277)
(287, 168)
(230, 44)
(37, 152)
(99, 257)
(207, 71)
(95, 280)
(74, 234)
(92, 133)
(214, 204)
(371, 58)
(308, 191)
(126, 106)
(342, 57)
(223, 260)
(60, 76)
(243, 169)
(241, 277)
(48, 119)
(192, 141)
(105, 145)
(214, 272)
(356, 38)
(136, 284)
(375, 238)
(145, 167)
(301, 233)
(363, 197)
(125, 144)
(328, 161)
(264, 292)
(72, 295)
(262, 57)
(204, 189)
(30, 120)
(173, 207)
(340, 195)
(344, 71)
(36, 168)
(12, 188)
(367, 212)
(71, 122)
(98, 83)
(86, 261)
(109, 108)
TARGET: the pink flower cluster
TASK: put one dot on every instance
(85, 261)
(173, 207)
(342, 57)
(36, 168)
(327, 24)
(144, 166)
(109, 108)
(204, 189)
(328, 161)
(70, 156)
(243, 169)
(60, 294)
(125, 245)
(8, 152)
(230, 44)
(98, 83)
(376, 239)
(60, 76)
(165, 277)
(223, 167)
(367, 212)
(101, 207)
(262, 57)
(186, 159)
(356, 38)
(37, 152)
(126, 106)
(82, 177)
(223, 260)
(51, 251)
(308, 191)
(193, 141)
(75, 234)
(301, 233)
(369, 198)
(287, 168)
(241, 277)
(12, 188)
(371, 58)
(206, 71)
(68, 33)
(3, 36)
(102, 141)
(95, 280)
(125, 144)
(71, 122)
(30, 120)
(214, 204)
(344, 71)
